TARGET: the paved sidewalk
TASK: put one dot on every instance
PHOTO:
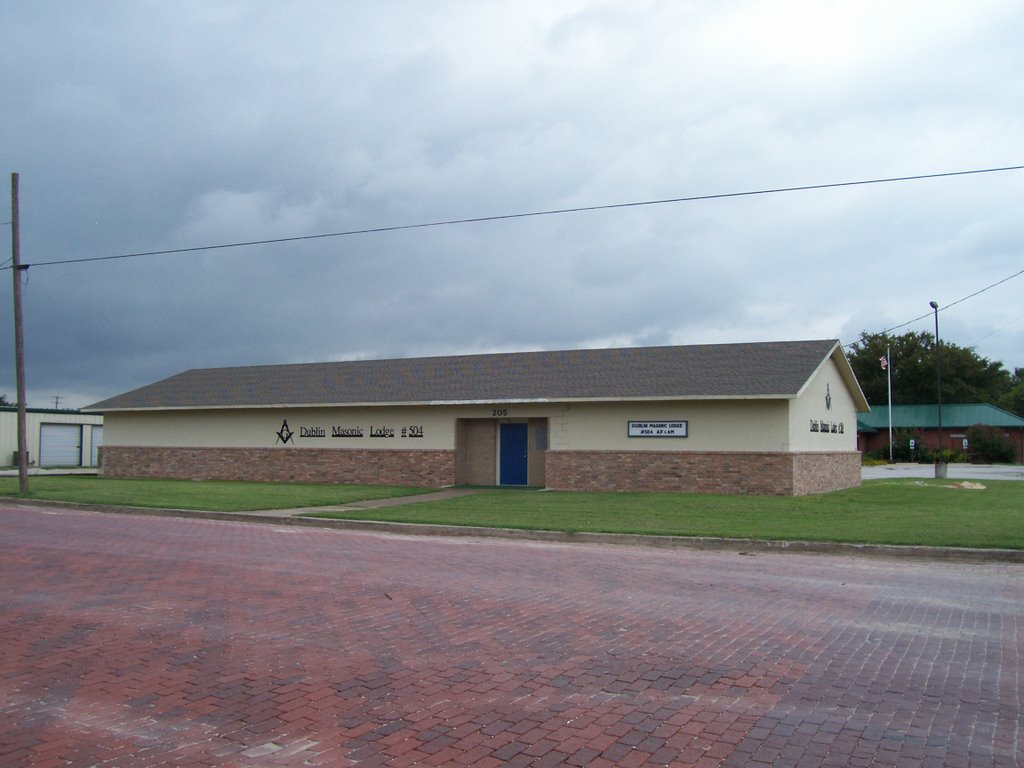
(391, 501)
(49, 471)
(150, 641)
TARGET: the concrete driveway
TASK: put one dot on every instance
(955, 471)
(153, 641)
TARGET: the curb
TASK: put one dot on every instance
(699, 543)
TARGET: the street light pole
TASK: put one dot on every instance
(941, 468)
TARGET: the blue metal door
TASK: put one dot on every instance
(512, 462)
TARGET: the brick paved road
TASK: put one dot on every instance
(145, 641)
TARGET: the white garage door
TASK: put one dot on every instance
(60, 445)
(97, 441)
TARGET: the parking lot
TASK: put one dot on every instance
(954, 471)
(145, 641)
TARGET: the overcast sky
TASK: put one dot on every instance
(141, 125)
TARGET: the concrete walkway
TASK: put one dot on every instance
(391, 501)
(49, 471)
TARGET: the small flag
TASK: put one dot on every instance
(884, 361)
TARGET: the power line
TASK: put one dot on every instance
(997, 330)
(530, 214)
(971, 296)
(951, 304)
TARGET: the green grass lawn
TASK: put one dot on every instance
(209, 495)
(879, 512)
(892, 511)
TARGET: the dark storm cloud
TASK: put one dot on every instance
(148, 126)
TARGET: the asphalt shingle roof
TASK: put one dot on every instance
(768, 369)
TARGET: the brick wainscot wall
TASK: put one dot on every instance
(778, 474)
(432, 468)
(771, 474)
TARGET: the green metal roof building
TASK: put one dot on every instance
(926, 417)
(873, 427)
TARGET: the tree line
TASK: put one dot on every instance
(967, 377)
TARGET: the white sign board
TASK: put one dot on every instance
(657, 428)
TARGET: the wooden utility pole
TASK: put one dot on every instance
(19, 337)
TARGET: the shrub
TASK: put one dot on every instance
(990, 444)
(901, 446)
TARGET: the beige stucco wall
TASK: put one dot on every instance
(749, 425)
(712, 425)
(413, 428)
(825, 403)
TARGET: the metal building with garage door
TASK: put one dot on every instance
(56, 438)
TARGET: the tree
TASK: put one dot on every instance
(966, 376)
(4, 402)
(1013, 400)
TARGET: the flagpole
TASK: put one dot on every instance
(888, 373)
